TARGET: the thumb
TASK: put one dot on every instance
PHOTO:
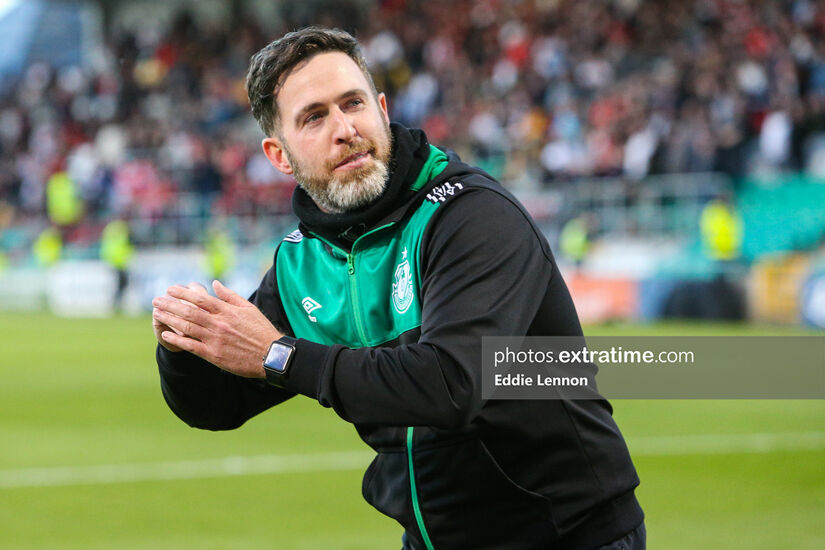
(227, 295)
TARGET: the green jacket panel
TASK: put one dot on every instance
(366, 297)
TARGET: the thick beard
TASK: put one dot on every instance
(339, 195)
(345, 193)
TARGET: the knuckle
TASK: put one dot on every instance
(195, 314)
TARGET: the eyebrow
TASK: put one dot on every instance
(315, 105)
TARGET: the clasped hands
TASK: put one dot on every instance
(226, 329)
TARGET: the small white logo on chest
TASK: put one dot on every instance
(402, 288)
(310, 305)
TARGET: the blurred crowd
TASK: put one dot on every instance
(623, 87)
(534, 91)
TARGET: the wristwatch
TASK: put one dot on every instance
(276, 362)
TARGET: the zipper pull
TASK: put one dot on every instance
(350, 264)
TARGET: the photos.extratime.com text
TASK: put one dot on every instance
(653, 367)
(614, 355)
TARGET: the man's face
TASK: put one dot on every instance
(335, 135)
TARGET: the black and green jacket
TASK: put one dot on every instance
(390, 304)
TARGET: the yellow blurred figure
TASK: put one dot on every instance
(220, 254)
(116, 250)
(721, 229)
(115, 247)
(63, 203)
(48, 247)
(574, 240)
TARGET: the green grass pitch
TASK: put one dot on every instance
(86, 443)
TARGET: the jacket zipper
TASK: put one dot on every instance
(419, 519)
(353, 290)
(353, 287)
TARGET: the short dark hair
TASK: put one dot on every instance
(269, 67)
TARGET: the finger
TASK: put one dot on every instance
(188, 344)
(197, 287)
(200, 299)
(184, 310)
(182, 327)
(228, 295)
(158, 326)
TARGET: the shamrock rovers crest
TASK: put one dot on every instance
(402, 288)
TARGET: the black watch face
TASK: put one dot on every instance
(278, 356)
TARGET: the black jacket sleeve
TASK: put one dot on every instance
(204, 396)
(485, 271)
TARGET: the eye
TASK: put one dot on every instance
(314, 117)
(357, 102)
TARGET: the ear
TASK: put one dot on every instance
(382, 104)
(275, 152)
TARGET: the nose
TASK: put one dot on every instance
(344, 129)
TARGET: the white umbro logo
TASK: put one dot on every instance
(310, 305)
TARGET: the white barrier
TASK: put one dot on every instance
(23, 289)
(86, 288)
(83, 288)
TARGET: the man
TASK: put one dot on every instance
(116, 250)
(404, 258)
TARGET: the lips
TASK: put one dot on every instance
(355, 159)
